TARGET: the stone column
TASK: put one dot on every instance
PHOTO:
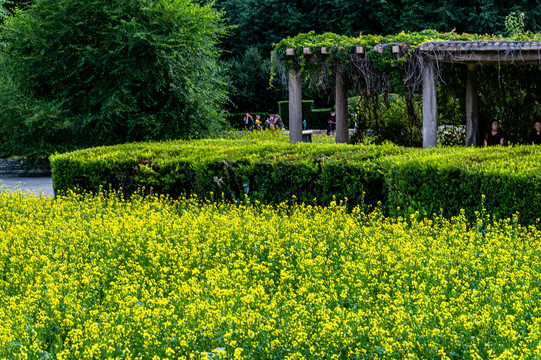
(342, 125)
(295, 107)
(472, 117)
(430, 108)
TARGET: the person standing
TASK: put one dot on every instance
(248, 120)
(332, 123)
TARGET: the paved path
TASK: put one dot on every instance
(42, 185)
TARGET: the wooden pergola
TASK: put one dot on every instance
(469, 53)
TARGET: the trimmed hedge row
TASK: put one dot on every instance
(315, 118)
(405, 180)
(236, 119)
(501, 180)
(268, 171)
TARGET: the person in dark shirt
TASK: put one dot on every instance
(494, 136)
(332, 123)
(535, 135)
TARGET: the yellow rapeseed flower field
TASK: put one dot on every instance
(102, 277)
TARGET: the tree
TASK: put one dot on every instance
(79, 73)
(250, 79)
(4, 12)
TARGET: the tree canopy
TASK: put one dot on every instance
(81, 73)
(262, 23)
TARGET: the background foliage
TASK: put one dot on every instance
(261, 23)
(78, 73)
(257, 24)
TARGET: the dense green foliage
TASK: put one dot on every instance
(341, 47)
(250, 82)
(504, 180)
(267, 170)
(78, 73)
(4, 12)
(261, 23)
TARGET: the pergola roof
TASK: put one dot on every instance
(491, 52)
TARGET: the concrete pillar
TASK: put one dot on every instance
(295, 107)
(430, 106)
(342, 126)
(472, 117)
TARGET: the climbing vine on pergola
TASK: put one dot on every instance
(399, 63)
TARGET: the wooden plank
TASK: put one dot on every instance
(290, 52)
(325, 51)
(307, 51)
(395, 49)
(359, 50)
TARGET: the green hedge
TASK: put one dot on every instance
(316, 119)
(273, 171)
(283, 110)
(431, 181)
(501, 180)
(236, 119)
(319, 119)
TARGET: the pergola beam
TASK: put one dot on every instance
(488, 59)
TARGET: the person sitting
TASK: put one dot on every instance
(332, 123)
(269, 123)
(494, 136)
(535, 135)
(257, 124)
(274, 121)
(278, 123)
